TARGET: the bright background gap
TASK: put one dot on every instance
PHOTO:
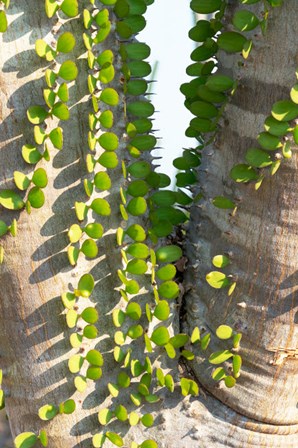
(166, 32)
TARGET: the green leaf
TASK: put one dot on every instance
(101, 207)
(75, 363)
(218, 374)
(169, 382)
(90, 315)
(245, 20)
(67, 407)
(160, 336)
(169, 290)
(56, 137)
(230, 381)
(149, 444)
(275, 127)
(168, 254)
(123, 380)
(220, 356)
(61, 111)
(89, 248)
(51, 7)
(109, 96)
(195, 335)
(137, 87)
(118, 317)
(66, 42)
(70, 8)
(36, 114)
(201, 31)
(68, 71)
(90, 332)
(205, 51)
(167, 272)
(217, 279)
(68, 299)
(203, 109)
(121, 413)
(36, 197)
(63, 93)
(137, 206)
(11, 200)
(189, 387)
(258, 158)
(108, 141)
(43, 438)
(269, 142)
(80, 383)
(108, 160)
(222, 202)
(75, 340)
(98, 440)
(86, 285)
(231, 42)
(162, 310)
(137, 50)
(39, 135)
(43, 50)
(114, 438)
(21, 180)
(94, 373)
(137, 267)
(136, 232)
(95, 358)
(31, 154)
(224, 332)
(3, 22)
(135, 331)
(94, 230)
(179, 340)
(71, 318)
(47, 412)
(243, 173)
(134, 311)
(220, 261)
(141, 109)
(40, 178)
(219, 83)
(205, 7)
(25, 440)
(138, 250)
(284, 110)
(3, 230)
(147, 420)
(138, 188)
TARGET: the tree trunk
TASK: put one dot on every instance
(262, 239)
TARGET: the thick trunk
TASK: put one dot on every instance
(261, 410)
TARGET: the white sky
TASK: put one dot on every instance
(168, 23)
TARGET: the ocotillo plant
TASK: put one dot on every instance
(133, 315)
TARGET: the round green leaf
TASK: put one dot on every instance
(43, 50)
(61, 111)
(284, 110)
(95, 358)
(137, 87)
(141, 109)
(179, 340)
(94, 230)
(101, 207)
(203, 109)
(160, 336)
(74, 233)
(147, 420)
(224, 332)
(222, 202)
(133, 419)
(275, 127)
(108, 141)
(94, 373)
(108, 160)
(136, 232)
(243, 173)
(75, 363)
(21, 180)
(68, 407)
(89, 248)
(205, 7)
(114, 438)
(201, 31)
(98, 440)
(40, 178)
(56, 137)
(66, 42)
(138, 250)
(231, 42)
(205, 51)
(109, 96)
(123, 380)
(217, 279)
(269, 141)
(3, 231)
(149, 444)
(31, 154)
(137, 206)
(137, 51)
(25, 440)
(245, 20)
(162, 310)
(36, 197)
(219, 83)
(167, 272)
(68, 71)
(70, 8)
(36, 114)
(220, 261)
(135, 331)
(134, 311)
(168, 254)
(90, 315)
(63, 93)
(220, 356)
(105, 416)
(80, 383)
(90, 332)
(121, 413)
(86, 285)
(47, 412)
(258, 158)
(169, 290)
(230, 381)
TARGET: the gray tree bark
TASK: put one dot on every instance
(262, 237)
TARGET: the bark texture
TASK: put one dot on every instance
(262, 409)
